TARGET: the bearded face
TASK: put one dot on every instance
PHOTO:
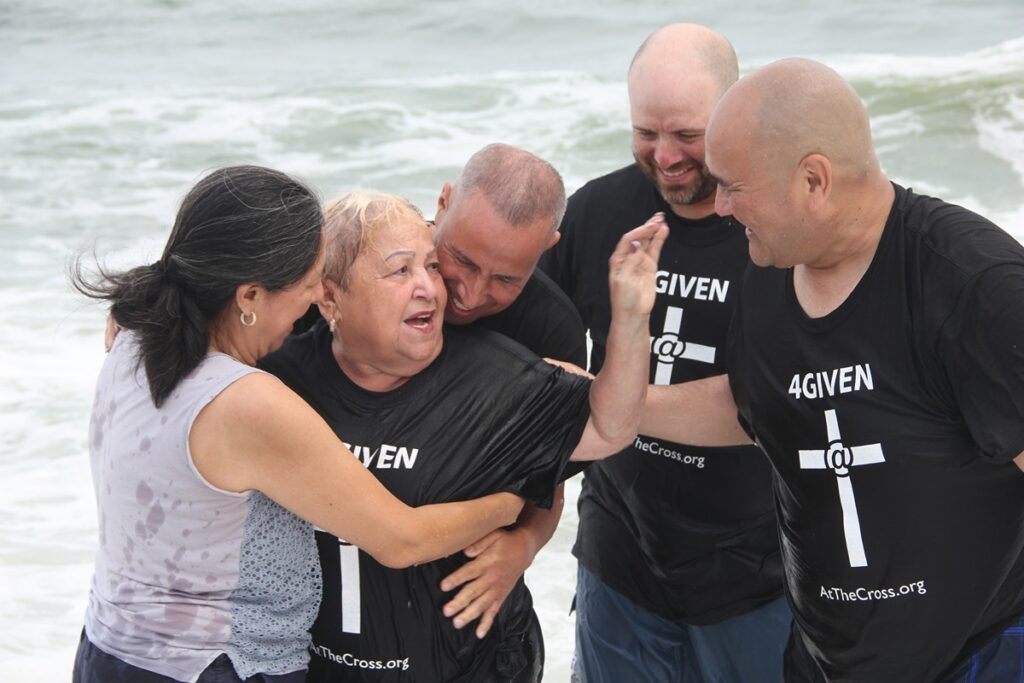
(685, 179)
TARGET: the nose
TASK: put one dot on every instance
(426, 285)
(473, 291)
(667, 153)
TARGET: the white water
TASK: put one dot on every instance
(109, 111)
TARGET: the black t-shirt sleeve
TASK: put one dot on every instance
(533, 445)
(982, 347)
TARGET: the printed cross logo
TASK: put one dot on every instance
(351, 605)
(669, 346)
(840, 459)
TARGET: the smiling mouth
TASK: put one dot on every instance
(458, 305)
(676, 175)
(422, 321)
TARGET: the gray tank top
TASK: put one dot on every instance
(186, 571)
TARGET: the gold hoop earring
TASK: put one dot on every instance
(247, 323)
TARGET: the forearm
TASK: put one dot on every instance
(537, 525)
(699, 413)
(618, 391)
(430, 532)
(298, 462)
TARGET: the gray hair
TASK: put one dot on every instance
(352, 221)
(520, 186)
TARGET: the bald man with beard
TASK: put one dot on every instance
(876, 357)
(679, 575)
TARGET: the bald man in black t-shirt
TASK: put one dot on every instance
(876, 359)
(679, 573)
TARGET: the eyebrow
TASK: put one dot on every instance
(400, 252)
(470, 262)
(674, 131)
(462, 256)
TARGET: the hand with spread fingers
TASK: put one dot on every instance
(497, 561)
(633, 266)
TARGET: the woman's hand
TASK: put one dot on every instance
(633, 267)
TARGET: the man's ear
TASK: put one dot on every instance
(444, 202)
(554, 240)
(816, 179)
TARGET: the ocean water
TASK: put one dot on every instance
(110, 110)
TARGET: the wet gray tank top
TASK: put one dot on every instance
(186, 571)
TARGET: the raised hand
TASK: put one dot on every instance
(633, 266)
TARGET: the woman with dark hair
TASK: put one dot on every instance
(200, 460)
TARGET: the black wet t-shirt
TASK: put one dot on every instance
(685, 532)
(892, 423)
(485, 416)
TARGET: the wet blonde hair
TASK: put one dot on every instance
(352, 221)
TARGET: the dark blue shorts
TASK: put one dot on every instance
(617, 641)
(93, 665)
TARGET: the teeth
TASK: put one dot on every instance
(458, 305)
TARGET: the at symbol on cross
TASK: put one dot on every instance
(840, 459)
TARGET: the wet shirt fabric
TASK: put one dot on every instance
(892, 423)
(186, 572)
(485, 416)
(687, 533)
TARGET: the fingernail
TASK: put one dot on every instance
(458, 623)
(635, 244)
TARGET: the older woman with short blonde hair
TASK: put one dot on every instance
(440, 414)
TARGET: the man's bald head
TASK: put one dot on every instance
(793, 108)
(790, 146)
(686, 50)
(675, 80)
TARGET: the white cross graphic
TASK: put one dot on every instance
(841, 458)
(351, 607)
(351, 603)
(669, 346)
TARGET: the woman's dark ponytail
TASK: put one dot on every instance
(238, 225)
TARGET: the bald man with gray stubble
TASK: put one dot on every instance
(876, 359)
(679, 572)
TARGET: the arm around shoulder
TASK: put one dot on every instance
(258, 434)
